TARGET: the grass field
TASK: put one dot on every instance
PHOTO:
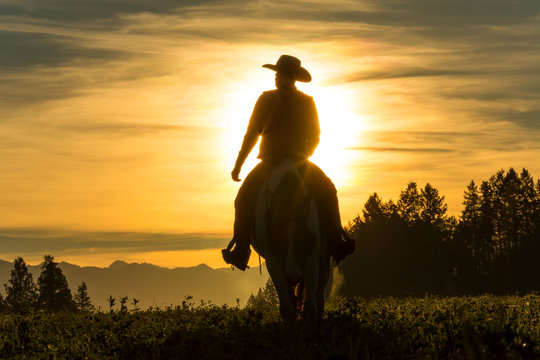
(483, 327)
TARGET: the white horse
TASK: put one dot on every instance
(287, 234)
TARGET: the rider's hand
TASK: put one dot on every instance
(235, 173)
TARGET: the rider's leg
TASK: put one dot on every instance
(325, 194)
(244, 208)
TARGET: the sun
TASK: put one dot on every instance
(340, 127)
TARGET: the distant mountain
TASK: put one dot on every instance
(154, 285)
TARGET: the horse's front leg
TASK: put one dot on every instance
(324, 275)
(286, 304)
(311, 284)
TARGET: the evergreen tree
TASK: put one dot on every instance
(507, 217)
(499, 234)
(471, 212)
(374, 209)
(54, 293)
(256, 301)
(2, 304)
(471, 262)
(410, 203)
(529, 249)
(270, 294)
(82, 300)
(413, 247)
(266, 298)
(487, 231)
(380, 266)
(433, 237)
(21, 292)
(433, 207)
(529, 204)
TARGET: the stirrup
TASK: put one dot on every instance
(235, 259)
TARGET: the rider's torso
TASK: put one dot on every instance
(289, 125)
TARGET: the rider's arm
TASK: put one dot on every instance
(254, 130)
(250, 139)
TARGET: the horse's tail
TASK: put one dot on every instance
(300, 294)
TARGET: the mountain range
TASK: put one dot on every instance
(153, 285)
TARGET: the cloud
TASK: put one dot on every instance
(404, 73)
(88, 90)
(86, 10)
(463, 12)
(528, 119)
(494, 138)
(127, 129)
(53, 241)
(397, 149)
(25, 49)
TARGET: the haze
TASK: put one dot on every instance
(121, 120)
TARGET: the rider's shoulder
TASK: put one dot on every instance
(269, 96)
(297, 94)
(266, 95)
(269, 93)
(303, 96)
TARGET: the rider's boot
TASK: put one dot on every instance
(340, 245)
(244, 206)
(239, 255)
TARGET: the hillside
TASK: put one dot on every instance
(154, 285)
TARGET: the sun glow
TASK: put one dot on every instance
(341, 127)
(237, 111)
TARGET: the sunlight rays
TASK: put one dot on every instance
(340, 130)
(341, 125)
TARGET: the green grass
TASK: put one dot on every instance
(482, 327)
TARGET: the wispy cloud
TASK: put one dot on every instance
(114, 111)
(127, 129)
(404, 73)
(395, 149)
(48, 240)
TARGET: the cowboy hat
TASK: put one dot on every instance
(290, 66)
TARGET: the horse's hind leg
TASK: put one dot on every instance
(324, 274)
(287, 305)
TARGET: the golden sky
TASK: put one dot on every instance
(121, 120)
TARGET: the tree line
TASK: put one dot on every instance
(408, 247)
(412, 246)
(50, 294)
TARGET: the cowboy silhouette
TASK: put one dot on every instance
(288, 122)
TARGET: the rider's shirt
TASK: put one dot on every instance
(287, 120)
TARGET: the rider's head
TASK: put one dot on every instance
(288, 70)
(284, 80)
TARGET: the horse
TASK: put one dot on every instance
(287, 233)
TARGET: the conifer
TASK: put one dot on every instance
(54, 293)
(21, 292)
